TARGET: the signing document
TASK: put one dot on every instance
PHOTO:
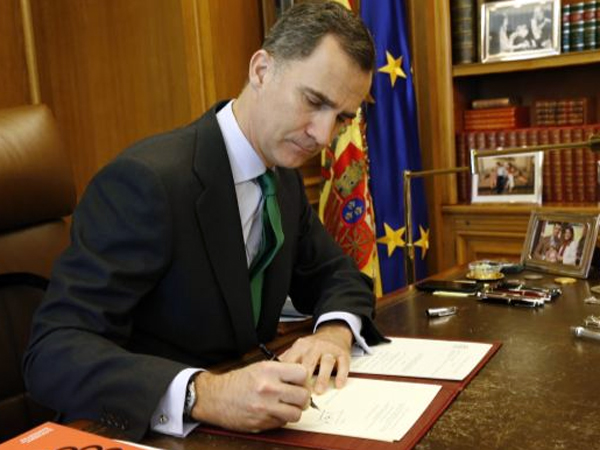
(386, 410)
(422, 358)
(369, 409)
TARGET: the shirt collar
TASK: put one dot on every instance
(243, 159)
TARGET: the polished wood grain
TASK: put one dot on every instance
(492, 231)
(14, 84)
(115, 71)
(430, 38)
(549, 62)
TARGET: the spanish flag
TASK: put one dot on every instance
(346, 206)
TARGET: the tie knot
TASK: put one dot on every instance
(267, 183)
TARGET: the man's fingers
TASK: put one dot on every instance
(343, 367)
(328, 362)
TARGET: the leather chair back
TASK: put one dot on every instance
(37, 192)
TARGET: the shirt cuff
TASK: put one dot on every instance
(354, 322)
(168, 415)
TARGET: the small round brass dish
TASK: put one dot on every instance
(485, 277)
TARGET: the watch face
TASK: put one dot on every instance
(190, 398)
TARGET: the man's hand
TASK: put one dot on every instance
(329, 348)
(258, 397)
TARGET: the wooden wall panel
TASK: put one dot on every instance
(430, 36)
(112, 71)
(232, 31)
(14, 86)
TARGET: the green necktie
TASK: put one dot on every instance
(271, 240)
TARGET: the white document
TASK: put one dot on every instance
(369, 409)
(422, 358)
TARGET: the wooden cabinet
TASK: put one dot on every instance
(461, 233)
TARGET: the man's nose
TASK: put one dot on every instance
(322, 128)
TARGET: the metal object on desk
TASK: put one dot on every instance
(582, 332)
(442, 312)
(506, 298)
(592, 322)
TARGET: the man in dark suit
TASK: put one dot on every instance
(155, 287)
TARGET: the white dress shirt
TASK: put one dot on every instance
(246, 166)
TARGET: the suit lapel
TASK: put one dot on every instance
(219, 220)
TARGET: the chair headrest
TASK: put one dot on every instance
(36, 181)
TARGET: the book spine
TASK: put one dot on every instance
(589, 25)
(577, 27)
(566, 158)
(597, 23)
(553, 136)
(578, 169)
(461, 160)
(597, 167)
(522, 137)
(511, 138)
(462, 14)
(501, 139)
(590, 180)
(487, 103)
(566, 29)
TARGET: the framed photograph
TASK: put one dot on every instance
(519, 29)
(560, 243)
(509, 179)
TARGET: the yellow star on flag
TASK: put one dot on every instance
(393, 67)
(423, 242)
(392, 238)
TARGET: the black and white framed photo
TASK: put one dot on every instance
(560, 243)
(519, 29)
(508, 179)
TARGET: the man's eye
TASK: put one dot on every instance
(313, 102)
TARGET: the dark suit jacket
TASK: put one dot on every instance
(156, 280)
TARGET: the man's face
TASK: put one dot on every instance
(556, 231)
(301, 105)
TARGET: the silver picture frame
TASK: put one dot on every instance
(519, 29)
(560, 243)
(508, 179)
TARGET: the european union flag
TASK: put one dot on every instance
(393, 142)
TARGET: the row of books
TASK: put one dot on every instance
(580, 25)
(551, 112)
(496, 118)
(567, 111)
(568, 176)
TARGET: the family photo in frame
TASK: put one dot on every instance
(519, 29)
(560, 243)
(508, 179)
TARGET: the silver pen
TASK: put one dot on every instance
(584, 332)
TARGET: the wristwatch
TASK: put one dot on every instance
(190, 398)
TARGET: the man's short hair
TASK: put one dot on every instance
(300, 29)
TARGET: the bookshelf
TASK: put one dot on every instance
(463, 232)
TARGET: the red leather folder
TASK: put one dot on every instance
(448, 392)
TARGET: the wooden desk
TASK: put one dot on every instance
(538, 392)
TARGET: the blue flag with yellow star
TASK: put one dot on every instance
(393, 143)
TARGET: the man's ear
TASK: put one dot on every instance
(260, 64)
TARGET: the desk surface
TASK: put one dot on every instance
(538, 392)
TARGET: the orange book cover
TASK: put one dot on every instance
(51, 436)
